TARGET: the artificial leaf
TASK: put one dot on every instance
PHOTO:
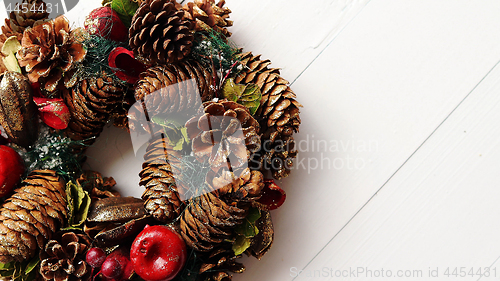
(32, 264)
(78, 203)
(9, 50)
(125, 10)
(174, 130)
(241, 244)
(248, 95)
(248, 229)
(6, 269)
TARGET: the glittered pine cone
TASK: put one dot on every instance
(49, 51)
(224, 132)
(208, 221)
(91, 104)
(278, 113)
(161, 196)
(32, 215)
(218, 264)
(242, 185)
(159, 33)
(63, 258)
(21, 19)
(209, 15)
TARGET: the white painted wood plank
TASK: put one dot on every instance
(381, 88)
(440, 210)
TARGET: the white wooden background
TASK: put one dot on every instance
(400, 148)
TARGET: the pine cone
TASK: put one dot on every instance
(49, 50)
(157, 88)
(159, 33)
(97, 186)
(208, 15)
(216, 135)
(208, 221)
(64, 258)
(91, 104)
(31, 216)
(243, 185)
(277, 153)
(218, 263)
(278, 113)
(157, 176)
(18, 21)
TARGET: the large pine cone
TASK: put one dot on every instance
(91, 104)
(63, 258)
(159, 33)
(208, 221)
(209, 15)
(50, 50)
(32, 215)
(157, 176)
(160, 91)
(224, 132)
(278, 113)
(18, 21)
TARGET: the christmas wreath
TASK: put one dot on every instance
(218, 123)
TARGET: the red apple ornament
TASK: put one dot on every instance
(11, 169)
(105, 22)
(158, 253)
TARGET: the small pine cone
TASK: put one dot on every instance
(49, 50)
(97, 186)
(63, 258)
(224, 131)
(159, 33)
(32, 215)
(208, 221)
(243, 185)
(278, 113)
(218, 263)
(91, 104)
(157, 176)
(18, 21)
(209, 15)
(276, 155)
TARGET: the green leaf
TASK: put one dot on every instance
(240, 245)
(174, 130)
(247, 95)
(78, 204)
(32, 264)
(248, 229)
(125, 10)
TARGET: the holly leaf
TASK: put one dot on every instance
(125, 10)
(248, 229)
(248, 95)
(240, 245)
(78, 204)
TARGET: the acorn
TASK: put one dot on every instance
(18, 112)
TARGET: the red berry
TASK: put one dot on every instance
(11, 169)
(95, 257)
(117, 266)
(111, 268)
(158, 253)
(272, 195)
(106, 23)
